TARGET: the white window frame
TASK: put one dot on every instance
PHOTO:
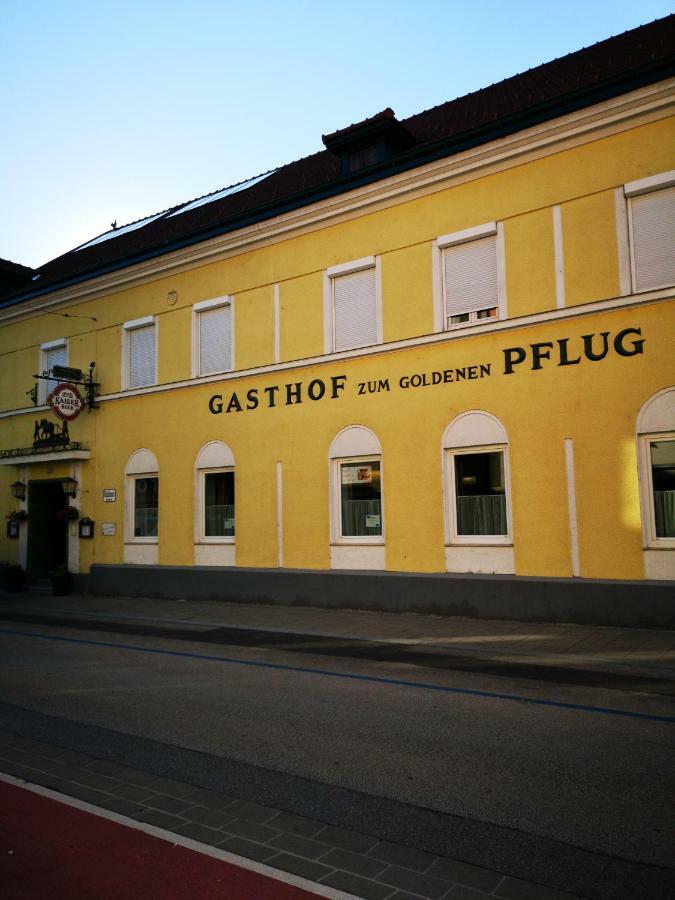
(330, 275)
(651, 541)
(201, 536)
(636, 189)
(336, 502)
(482, 540)
(127, 328)
(197, 310)
(478, 232)
(43, 385)
(141, 464)
(131, 487)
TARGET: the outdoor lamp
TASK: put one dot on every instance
(69, 486)
(18, 490)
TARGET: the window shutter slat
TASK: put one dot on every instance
(142, 356)
(355, 310)
(470, 272)
(653, 232)
(215, 340)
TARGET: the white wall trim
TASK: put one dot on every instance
(622, 241)
(437, 287)
(138, 323)
(457, 333)
(467, 234)
(501, 272)
(211, 304)
(652, 183)
(558, 257)
(645, 104)
(357, 557)
(572, 507)
(348, 268)
(53, 345)
(480, 560)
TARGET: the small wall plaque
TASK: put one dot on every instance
(108, 529)
(109, 495)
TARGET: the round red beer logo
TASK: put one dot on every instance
(66, 401)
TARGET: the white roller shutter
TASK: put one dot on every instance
(355, 309)
(215, 340)
(653, 219)
(142, 356)
(470, 276)
(56, 356)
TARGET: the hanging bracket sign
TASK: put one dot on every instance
(66, 401)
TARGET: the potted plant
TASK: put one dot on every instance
(14, 578)
(60, 579)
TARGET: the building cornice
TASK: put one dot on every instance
(444, 337)
(611, 116)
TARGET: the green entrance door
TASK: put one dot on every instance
(47, 527)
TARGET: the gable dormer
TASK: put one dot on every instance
(367, 143)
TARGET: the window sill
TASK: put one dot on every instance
(215, 541)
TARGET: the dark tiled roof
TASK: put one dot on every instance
(14, 276)
(609, 68)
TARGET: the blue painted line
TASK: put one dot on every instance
(348, 676)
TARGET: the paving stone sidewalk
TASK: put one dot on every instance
(358, 864)
(650, 651)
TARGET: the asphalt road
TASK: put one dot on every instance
(598, 777)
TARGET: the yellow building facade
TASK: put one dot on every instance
(464, 368)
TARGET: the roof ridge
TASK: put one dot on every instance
(547, 62)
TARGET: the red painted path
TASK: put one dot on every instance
(52, 851)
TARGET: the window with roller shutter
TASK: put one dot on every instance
(353, 299)
(53, 353)
(139, 353)
(652, 230)
(213, 338)
(470, 277)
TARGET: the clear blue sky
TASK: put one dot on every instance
(115, 110)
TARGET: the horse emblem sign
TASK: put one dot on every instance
(66, 401)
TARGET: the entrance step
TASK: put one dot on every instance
(39, 587)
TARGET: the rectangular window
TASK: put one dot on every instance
(480, 494)
(360, 499)
(470, 282)
(662, 458)
(215, 339)
(352, 305)
(53, 353)
(219, 504)
(142, 356)
(146, 507)
(652, 230)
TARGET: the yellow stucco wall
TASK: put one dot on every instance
(592, 403)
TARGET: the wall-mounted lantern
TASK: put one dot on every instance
(18, 490)
(69, 486)
(86, 527)
(13, 528)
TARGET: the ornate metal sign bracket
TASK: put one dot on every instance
(71, 376)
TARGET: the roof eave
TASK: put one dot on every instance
(412, 158)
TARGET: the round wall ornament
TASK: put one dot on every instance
(66, 401)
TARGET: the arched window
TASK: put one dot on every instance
(478, 503)
(215, 505)
(141, 525)
(357, 510)
(656, 459)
